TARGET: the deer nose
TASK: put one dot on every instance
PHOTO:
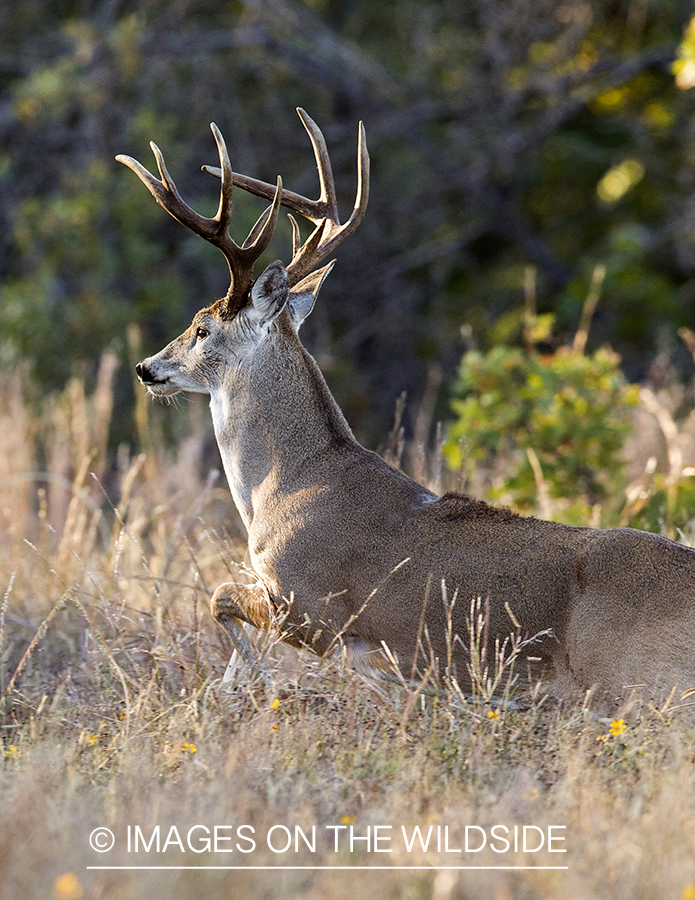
(143, 372)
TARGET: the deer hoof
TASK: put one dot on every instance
(223, 603)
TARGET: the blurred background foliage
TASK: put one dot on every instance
(552, 423)
(505, 136)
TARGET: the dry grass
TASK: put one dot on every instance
(113, 715)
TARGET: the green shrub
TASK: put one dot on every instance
(566, 411)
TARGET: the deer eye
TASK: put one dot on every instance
(201, 334)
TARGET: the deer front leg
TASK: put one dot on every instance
(233, 604)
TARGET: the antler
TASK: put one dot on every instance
(241, 259)
(323, 212)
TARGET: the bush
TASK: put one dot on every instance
(552, 423)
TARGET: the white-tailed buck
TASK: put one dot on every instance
(347, 548)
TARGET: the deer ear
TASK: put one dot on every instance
(303, 296)
(269, 294)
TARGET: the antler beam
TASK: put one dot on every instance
(323, 212)
(241, 259)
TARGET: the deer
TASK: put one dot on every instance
(346, 550)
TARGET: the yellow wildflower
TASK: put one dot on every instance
(189, 748)
(617, 727)
(275, 703)
(67, 887)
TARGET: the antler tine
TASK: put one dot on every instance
(167, 195)
(224, 210)
(261, 233)
(327, 202)
(215, 230)
(296, 235)
(322, 212)
(329, 232)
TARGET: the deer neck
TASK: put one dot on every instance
(275, 421)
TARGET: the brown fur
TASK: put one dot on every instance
(453, 507)
(348, 551)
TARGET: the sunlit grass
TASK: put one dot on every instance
(113, 715)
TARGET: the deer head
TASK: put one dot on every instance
(229, 330)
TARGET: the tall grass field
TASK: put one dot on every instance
(128, 770)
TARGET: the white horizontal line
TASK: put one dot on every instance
(360, 868)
